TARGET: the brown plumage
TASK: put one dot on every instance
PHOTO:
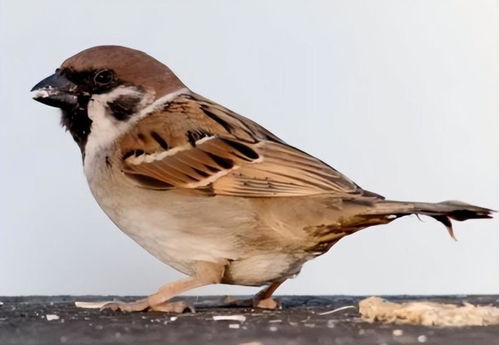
(208, 191)
(230, 159)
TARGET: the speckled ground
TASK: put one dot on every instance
(302, 320)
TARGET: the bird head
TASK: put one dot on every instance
(116, 82)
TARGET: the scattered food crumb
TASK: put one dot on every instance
(91, 305)
(331, 323)
(275, 321)
(273, 328)
(337, 310)
(240, 318)
(51, 317)
(422, 339)
(398, 332)
(428, 313)
(234, 325)
(173, 318)
(1, 303)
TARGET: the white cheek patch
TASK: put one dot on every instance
(105, 128)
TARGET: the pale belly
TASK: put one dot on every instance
(180, 229)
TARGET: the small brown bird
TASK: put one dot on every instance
(205, 190)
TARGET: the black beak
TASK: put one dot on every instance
(56, 91)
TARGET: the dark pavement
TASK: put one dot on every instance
(302, 320)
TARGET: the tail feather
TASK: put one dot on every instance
(442, 211)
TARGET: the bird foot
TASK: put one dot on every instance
(255, 302)
(266, 303)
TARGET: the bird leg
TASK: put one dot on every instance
(262, 300)
(206, 273)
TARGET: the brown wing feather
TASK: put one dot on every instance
(199, 145)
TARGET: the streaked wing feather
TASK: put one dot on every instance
(198, 145)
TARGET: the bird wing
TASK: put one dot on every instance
(195, 144)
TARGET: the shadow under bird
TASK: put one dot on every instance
(203, 189)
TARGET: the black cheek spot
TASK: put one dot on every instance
(108, 162)
(123, 107)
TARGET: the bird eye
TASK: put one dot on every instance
(103, 77)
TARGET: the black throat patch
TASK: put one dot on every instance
(77, 122)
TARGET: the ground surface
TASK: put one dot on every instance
(303, 320)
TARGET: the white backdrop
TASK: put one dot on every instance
(400, 95)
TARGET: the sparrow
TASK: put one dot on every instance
(205, 190)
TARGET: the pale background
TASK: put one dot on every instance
(400, 95)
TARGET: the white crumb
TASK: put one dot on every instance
(43, 93)
(422, 339)
(398, 332)
(51, 317)
(173, 318)
(240, 318)
(337, 310)
(234, 325)
(91, 305)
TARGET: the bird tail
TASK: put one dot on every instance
(442, 211)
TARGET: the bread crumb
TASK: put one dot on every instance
(427, 313)
(240, 318)
(51, 317)
(397, 332)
